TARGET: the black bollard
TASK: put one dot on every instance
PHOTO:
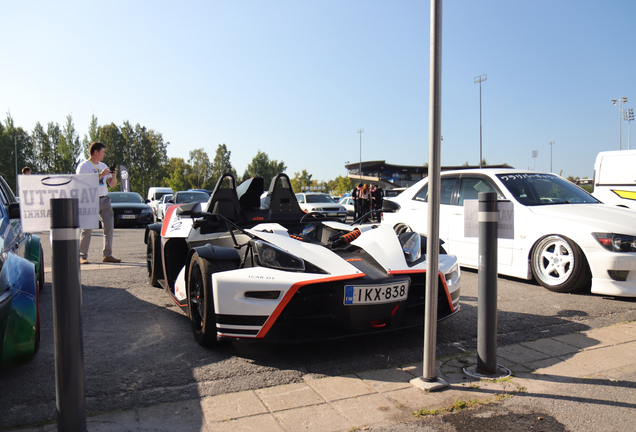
(67, 316)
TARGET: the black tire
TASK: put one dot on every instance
(41, 271)
(200, 297)
(154, 264)
(558, 264)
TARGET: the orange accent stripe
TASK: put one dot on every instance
(166, 217)
(448, 297)
(291, 292)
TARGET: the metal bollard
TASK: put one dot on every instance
(67, 316)
(488, 219)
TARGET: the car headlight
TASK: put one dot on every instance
(616, 242)
(274, 257)
(411, 245)
(145, 211)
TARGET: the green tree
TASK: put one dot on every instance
(42, 149)
(93, 135)
(262, 166)
(221, 165)
(341, 185)
(302, 179)
(200, 170)
(176, 179)
(69, 148)
(53, 134)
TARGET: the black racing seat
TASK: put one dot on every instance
(282, 200)
(249, 195)
(224, 200)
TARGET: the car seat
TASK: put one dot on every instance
(249, 195)
(282, 200)
(224, 200)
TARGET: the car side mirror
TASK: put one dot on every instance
(147, 201)
(14, 210)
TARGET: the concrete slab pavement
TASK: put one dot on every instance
(544, 369)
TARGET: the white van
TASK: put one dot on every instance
(154, 196)
(615, 178)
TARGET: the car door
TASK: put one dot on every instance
(416, 214)
(467, 248)
(15, 240)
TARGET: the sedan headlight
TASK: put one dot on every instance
(145, 211)
(274, 257)
(616, 242)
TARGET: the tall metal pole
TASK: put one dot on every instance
(479, 79)
(360, 166)
(628, 116)
(15, 145)
(551, 143)
(620, 135)
(429, 380)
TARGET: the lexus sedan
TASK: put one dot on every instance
(561, 235)
(130, 209)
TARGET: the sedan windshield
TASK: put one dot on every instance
(544, 189)
(319, 199)
(125, 197)
(188, 197)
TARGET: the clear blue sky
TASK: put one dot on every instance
(297, 79)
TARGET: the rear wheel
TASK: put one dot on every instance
(559, 265)
(200, 297)
(153, 251)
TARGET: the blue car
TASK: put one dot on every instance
(21, 279)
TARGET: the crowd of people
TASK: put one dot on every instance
(367, 198)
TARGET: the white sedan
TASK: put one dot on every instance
(317, 202)
(563, 236)
(161, 207)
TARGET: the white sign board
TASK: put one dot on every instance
(505, 219)
(36, 192)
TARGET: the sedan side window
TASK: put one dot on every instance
(471, 187)
(446, 186)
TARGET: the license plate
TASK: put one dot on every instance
(376, 294)
(127, 216)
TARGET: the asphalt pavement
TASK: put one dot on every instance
(577, 382)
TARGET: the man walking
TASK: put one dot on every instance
(94, 165)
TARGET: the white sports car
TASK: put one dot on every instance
(242, 270)
(563, 236)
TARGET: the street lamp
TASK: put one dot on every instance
(628, 116)
(360, 166)
(535, 154)
(479, 79)
(621, 100)
(551, 143)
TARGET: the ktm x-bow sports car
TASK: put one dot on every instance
(240, 267)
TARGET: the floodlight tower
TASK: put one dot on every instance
(628, 116)
(621, 100)
(478, 80)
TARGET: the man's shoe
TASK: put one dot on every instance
(111, 259)
(83, 260)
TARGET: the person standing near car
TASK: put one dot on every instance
(355, 196)
(365, 199)
(94, 165)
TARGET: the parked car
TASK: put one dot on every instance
(184, 197)
(21, 280)
(347, 203)
(394, 192)
(563, 236)
(240, 269)
(130, 209)
(614, 178)
(154, 196)
(317, 202)
(161, 207)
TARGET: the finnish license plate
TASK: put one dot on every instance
(376, 294)
(127, 216)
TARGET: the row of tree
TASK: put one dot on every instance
(58, 150)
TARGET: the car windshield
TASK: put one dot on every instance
(544, 189)
(165, 198)
(125, 197)
(319, 199)
(188, 197)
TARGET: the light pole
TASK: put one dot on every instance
(360, 166)
(551, 143)
(535, 154)
(621, 100)
(479, 79)
(628, 116)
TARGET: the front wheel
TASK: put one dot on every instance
(153, 253)
(559, 265)
(201, 299)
